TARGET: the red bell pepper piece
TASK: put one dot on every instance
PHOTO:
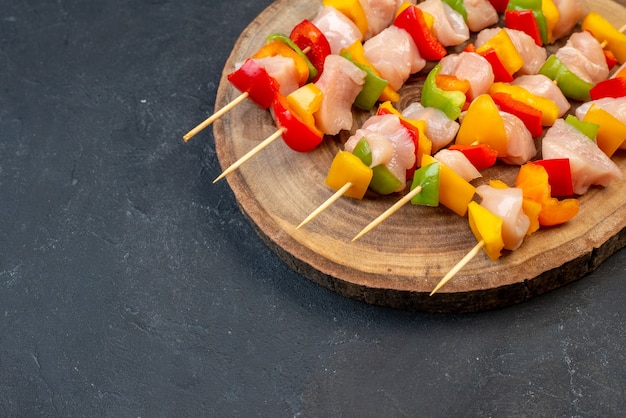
(500, 72)
(251, 78)
(525, 21)
(296, 134)
(528, 114)
(481, 156)
(499, 5)
(470, 48)
(412, 20)
(611, 60)
(306, 35)
(613, 87)
(559, 176)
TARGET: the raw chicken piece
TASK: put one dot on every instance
(533, 55)
(583, 55)
(380, 147)
(403, 157)
(616, 107)
(459, 163)
(340, 83)
(340, 31)
(521, 146)
(589, 165)
(394, 54)
(439, 128)
(471, 67)
(507, 204)
(281, 69)
(389, 141)
(449, 27)
(379, 13)
(570, 12)
(540, 85)
(480, 14)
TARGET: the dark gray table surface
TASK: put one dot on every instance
(132, 286)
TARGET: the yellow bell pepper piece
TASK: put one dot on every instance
(505, 50)
(304, 102)
(483, 124)
(357, 53)
(353, 10)
(347, 167)
(604, 31)
(551, 12)
(403, 7)
(549, 109)
(454, 192)
(275, 48)
(487, 228)
(612, 132)
(498, 184)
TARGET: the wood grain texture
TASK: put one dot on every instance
(400, 262)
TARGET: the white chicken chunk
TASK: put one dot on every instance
(480, 14)
(379, 14)
(506, 204)
(520, 144)
(281, 69)
(583, 55)
(340, 31)
(471, 67)
(459, 163)
(440, 129)
(340, 83)
(394, 54)
(570, 13)
(449, 27)
(589, 165)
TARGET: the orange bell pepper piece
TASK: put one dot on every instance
(533, 180)
(474, 128)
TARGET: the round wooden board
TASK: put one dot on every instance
(400, 262)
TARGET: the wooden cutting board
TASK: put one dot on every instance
(400, 262)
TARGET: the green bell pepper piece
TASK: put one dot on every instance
(279, 37)
(535, 7)
(570, 84)
(383, 181)
(458, 6)
(590, 129)
(428, 178)
(449, 102)
(373, 85)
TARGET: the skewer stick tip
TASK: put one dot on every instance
(208, 121)
(321, 208)
(468, 257)
(386, 214)
(250, 154)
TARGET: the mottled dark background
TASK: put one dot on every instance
(132, 286)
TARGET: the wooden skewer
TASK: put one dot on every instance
(321, 208)
(473, 252)
(215, 116)
(389, 212)
(208, 121)
(250, 154)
